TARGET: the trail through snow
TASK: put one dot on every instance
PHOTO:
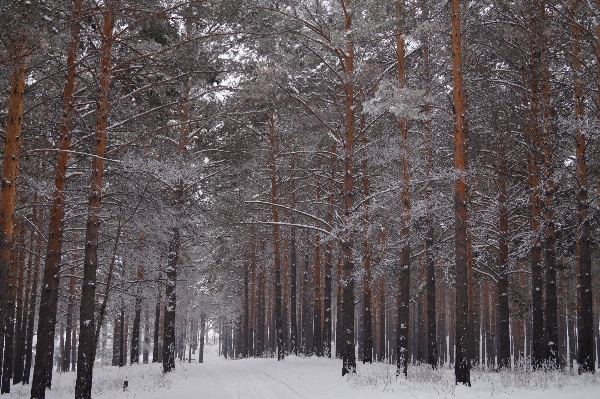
(314, 378)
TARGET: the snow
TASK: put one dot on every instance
(300, 377)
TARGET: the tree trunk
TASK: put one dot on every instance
(135, 333)
(201, 342)
(10, 312)
(8, 189)
(122, 339)
(293, 270)
(86, 354)
(276, 250)
(170, 295)
(155, 347)
(404, 275)
(27, 293)
(327, 325)
(533, 135)
(42, 373)
(348, 353)
(18, 349)
(304, 313)
(66, 360)
(367, 350)
(246, 337)
(462, 363)
(585, 313)
(432, 352)
(503, 334)
(33, 297)
(145, 351)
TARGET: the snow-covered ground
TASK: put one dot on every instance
(298, 377)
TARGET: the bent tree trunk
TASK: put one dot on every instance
(86, 354)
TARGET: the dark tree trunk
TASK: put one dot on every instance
(18, 349)
(304, 313)
(432, 344)
(276, 248)
(246, 336)
(155, 348)
(339, 301)
(145, 350)
(585, 313)
(33, 297)
(533, 135)
(10, 312)
(327, 313)
(293, 275)
(66, 360)
(116, 341)
(135, 332)
(402, 338)
(170, 298)
(503, 334)
(87, 333)
(27, 293)
(201, 340)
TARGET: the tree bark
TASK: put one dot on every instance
(276, 249)
(404, 272)
(432, 353)
(8, 188)
(293, 270)
(10, 312)
(367, 350)
(503, 335)
(327, 323)
(42, 373)
(348, 353)
(33, 297)
(86, 354)
(585, 313)
(462, 363)
(18, 341)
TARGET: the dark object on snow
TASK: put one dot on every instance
(125, 385)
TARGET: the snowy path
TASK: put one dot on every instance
(312, 378)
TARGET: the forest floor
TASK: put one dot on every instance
(299, 377)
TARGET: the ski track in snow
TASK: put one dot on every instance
(314, 378)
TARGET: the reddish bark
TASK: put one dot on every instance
(404, 276)
(462, 364)
(8, 188)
